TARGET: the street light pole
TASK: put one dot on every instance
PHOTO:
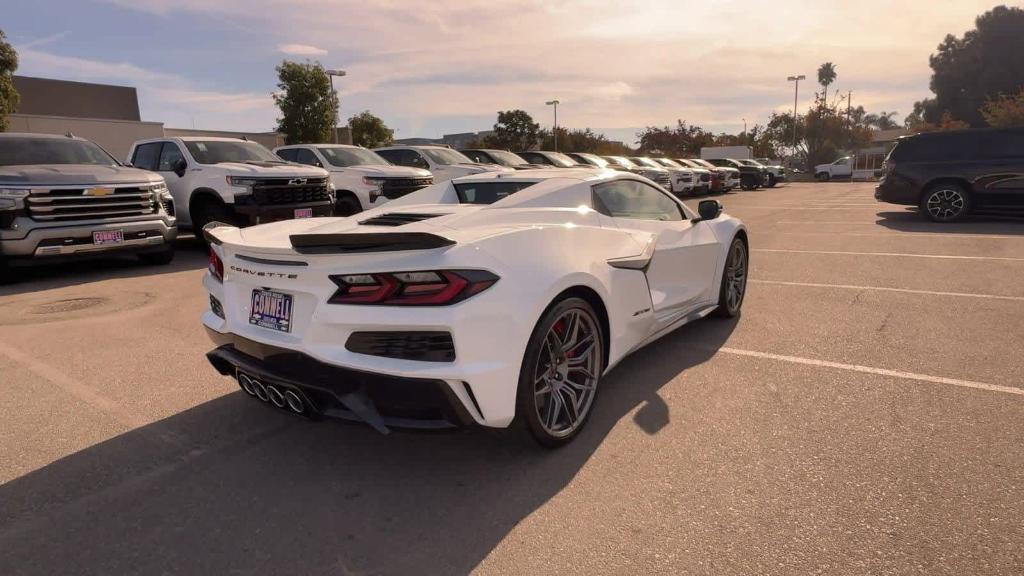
(332, 73)
(555, 131)
(796, 94)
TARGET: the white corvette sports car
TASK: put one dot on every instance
(482, 300)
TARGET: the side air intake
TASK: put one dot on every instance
(372, 242)
(397, 219)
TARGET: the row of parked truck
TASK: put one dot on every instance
(62, 196)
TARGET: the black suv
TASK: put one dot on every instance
(952, 174)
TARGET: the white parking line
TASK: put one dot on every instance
(924, 235)
(877, 371)
(885, 289)
(894, 254)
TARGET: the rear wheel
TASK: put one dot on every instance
(946, 202)
(347, 205)
(560, 372)
(160, 258)
(734, 281)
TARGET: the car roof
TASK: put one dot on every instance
(537, 174)
(289, 146)
(414, 147)
(14, 135)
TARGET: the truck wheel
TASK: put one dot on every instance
(946, 202)
(6, 275)
(160, 258)
(347, 205)
(204, 212)
(823, 176)
(747, 183)
(771, 180)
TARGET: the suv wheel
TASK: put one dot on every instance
(823, 176)
(946, 202)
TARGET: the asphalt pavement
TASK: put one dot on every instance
(864, 415)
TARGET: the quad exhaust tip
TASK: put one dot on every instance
(261, 390)
(294, 402)
(276, 397)
(246, 383)
(287, 399)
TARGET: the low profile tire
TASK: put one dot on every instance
(946, 202)
(161, 258)
(560, 373)
(823, 176)
(734, 280)
(347, 205)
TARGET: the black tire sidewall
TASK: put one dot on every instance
(526, 408)
(347, 203)
(723, 310)
(923, 205)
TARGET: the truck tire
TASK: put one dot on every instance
(747, 182)
(204, 211)
(771, 180)
(347, 204)
(161, 258)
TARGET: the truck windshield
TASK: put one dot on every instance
(620, 161)
(29, 151)
(490, 191)
(506, 158)
(446, 156)
(593, 159)
(645, 162)
(217, 151)
(342, 157)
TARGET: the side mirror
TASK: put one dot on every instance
(179, 167)
(708, 210)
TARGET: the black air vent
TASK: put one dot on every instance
(398, 219)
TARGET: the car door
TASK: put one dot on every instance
(169, 156)
(843, 167)
(681, 273)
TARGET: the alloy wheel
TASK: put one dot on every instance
(736, 276)
(565, 378)
(946, 204)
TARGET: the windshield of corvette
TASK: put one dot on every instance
(490, 191)
(446, 156)
(28, 151)
(217, 151)
(343, 157)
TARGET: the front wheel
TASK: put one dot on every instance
(946, 203)
(347, 205)
(560, 372)
(161, 258)
(772, 181)
(734, 281)
(823, 176)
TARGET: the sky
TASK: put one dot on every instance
(442, 66)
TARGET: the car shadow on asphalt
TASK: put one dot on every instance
(188, 256)
(235, 486)
(910, 220)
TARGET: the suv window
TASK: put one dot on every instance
(145, 155)
(306, 156)
(1009, 144)
(169, 154)
(287, 154)
(934, 147)
(634, 199)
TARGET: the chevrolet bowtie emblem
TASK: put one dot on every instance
(98, 192)
(297, 181)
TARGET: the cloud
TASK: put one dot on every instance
(301, 50)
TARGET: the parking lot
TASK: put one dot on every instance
(864, 416)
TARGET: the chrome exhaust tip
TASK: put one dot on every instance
(246, 383)
(260, 390)
(276, 398)
(295, 403)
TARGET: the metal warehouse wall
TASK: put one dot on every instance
(48, 97)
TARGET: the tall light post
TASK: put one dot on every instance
(555, 131)
(796, 93)
(332, 73)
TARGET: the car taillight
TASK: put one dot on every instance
(216, 266)
(427, 288)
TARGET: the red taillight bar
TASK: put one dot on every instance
(216, 266)
(428, 288)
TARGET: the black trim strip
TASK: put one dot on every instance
(371, 242)
(270, 262)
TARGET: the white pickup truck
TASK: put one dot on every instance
(233, 181)
(362, 178)
(444, 163)
(841, 168)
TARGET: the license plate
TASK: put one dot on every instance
(272, 310)
(108, 237)
(303, 212)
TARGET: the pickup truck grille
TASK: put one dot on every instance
(63, 204)
(290, 191)
(397, 187)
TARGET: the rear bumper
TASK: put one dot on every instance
(380, 400)
(896, 191)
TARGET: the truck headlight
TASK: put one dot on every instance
(236, 180)
(159, 188)
(15, 193)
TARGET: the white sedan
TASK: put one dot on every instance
(481, 300)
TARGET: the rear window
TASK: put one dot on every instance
(488, 192)
(937, 147)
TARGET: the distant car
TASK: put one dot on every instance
(685, 180)
(841, 168)
(776, 172)
(489, 300)
(751, 177)
(442, 162)
(659, 175)
(950, 175)
(714, 178)
(588, 159)
(546, 158)
(499, 158)
(362, 178)
(729, 174)
(772, 175)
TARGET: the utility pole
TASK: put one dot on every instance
(796, 94)
(555, 131)
(332, 73)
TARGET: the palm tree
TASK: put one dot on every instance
(826, 76)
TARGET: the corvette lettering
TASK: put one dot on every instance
(263, 274)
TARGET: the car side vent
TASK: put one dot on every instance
(398, 219)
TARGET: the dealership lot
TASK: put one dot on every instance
(864, 415)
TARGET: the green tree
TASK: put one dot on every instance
(826, 76)
(882, 121)
(968, 71)
(370, 131)
(9, 98)
(1004, 111)
(515, 130)
(682, 140)
(309, 106)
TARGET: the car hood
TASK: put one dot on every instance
(270, 169)
(822, 167)
(387, 171)
(74, 174)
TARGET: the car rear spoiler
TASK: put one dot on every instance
(371, 242)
